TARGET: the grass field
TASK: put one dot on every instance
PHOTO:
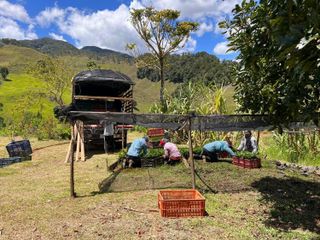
(247, 204)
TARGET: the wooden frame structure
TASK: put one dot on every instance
(189, 122)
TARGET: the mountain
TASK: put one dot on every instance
(45, 45)
(61, 48)
(100, 52)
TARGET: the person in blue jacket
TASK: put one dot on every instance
(210, 150)
(137, 149)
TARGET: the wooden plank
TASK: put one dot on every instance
(78, 147)
(83, 153)
(68, 157)
(84, 97)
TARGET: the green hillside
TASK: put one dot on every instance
(20, 86)
(17, 58)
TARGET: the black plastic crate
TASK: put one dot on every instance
(19, 148)
(7, 161)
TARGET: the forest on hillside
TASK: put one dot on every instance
(192, 67)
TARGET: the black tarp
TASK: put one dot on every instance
(101, 83)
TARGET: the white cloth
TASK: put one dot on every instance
(108, 130)
(243, 146)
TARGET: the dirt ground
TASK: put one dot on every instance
(241, 204)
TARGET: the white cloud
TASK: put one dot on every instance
(105, 28)
(221, 48)
(203, 28)
(14, 11)
(112, 28)
(196, 9)
(57, 37)
(51, 15)
(10, 29)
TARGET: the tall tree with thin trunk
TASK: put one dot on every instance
(162, 33)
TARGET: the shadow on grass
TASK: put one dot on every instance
(140, 179)
(295, 203)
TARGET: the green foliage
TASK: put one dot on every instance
(297, 146)
(192, 67)
(92, 65)
(154, 153)
(247, 155)
(122, 154)
(56, 76)
(162, 34)
(279, 65)
(4, 71)
(195, 97)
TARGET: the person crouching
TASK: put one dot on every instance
(210, 150)
(171, 152)
(137, 149)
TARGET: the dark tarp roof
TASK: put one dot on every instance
(176, 121)
(102, 75)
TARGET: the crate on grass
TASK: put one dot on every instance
(7, 161)
(20, 149)
(181, 203)
(247, 163)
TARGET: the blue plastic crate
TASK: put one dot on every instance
(19, 148)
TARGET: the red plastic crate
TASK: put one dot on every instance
(247, 163)
(181, 203)
(155, 132)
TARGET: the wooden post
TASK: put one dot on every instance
(191, 161)
(72, 192)
(122, 138)
(258, 139)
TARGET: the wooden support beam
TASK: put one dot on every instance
(78, 147)
(82, 147)
(85, 97)
(191, 161)
(72, 133)
(72, 191)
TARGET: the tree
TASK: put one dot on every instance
(279, 63)
(56, 76)
(4, 71)
(92, 65)
(162, 34)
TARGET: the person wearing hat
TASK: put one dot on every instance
(248, 143)
(210, 150)
(171, 152)
(137, 148)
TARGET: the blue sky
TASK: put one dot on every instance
(104, 23)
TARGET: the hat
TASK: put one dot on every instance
(163, 142)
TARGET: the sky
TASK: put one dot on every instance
(105, 23)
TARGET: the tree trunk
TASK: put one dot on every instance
(162, 82)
